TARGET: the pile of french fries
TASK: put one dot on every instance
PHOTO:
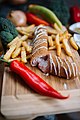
(20, 48)
(59, 39)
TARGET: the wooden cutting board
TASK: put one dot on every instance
(18, 100)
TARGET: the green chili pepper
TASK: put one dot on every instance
(47, 14)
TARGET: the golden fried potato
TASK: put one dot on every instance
(58, 46)
(18, 45)
(50, 41)
(9, 52)
(27, 47)
(16, 52)
(23, 55)
(29, 28)
(13, 42)
(57, 39)
(73, 43)
(50, 30)
(57, 28)
(58, 50)
(66, 47)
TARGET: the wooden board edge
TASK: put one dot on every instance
(14, 107)
(3, 84)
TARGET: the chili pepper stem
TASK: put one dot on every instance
(5, 61)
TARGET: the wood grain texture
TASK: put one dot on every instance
(19, 101)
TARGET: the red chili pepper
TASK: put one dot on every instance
(34, 81)
(75, 14)
(31, 18)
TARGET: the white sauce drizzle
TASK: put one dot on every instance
(39, 27)
(42, 47)
(52, 63)
(76, 68)
(39, 44)
(39, 41)
(40, 31)
(65, 71)
(68, 67)
(58, 65)
(60, 60)
(39, 35)
(73, 69)
(64, 68)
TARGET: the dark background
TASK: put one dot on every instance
(4, 8)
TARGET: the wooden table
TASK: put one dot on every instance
(19, 101)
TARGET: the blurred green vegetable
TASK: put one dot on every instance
(46, 13)
(60, 8)
(7, 25)
(6, 37)
(7, 32)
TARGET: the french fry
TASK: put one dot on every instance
(13, 42)
(50, 41)
(65, 35)
(9, 52)
(18, 44)
(23, 38)
(51, 30)
(57, 28)
(54, 47)
(21, 31)
(24, 33)
(29, 28)
(73, 43)
(58, 50)
(23, 55)
(69, 35)
(18, 28)
(16, 52)
(27, 47)
(28, 31)
(66, 47)
(30, 36)
(19, 35)
(62, 46)
(53, 36)
(57, 39)
(57, 43)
